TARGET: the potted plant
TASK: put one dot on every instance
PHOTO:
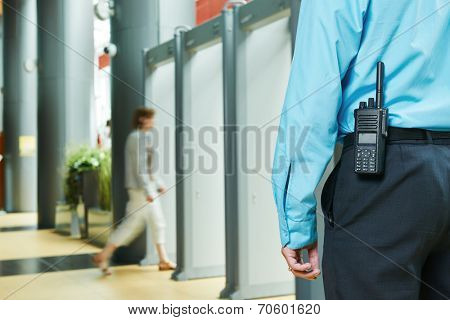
(86, 170)
(100, 217)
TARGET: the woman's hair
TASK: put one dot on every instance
(142, 113)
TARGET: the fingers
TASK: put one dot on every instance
(312, 275)
(293, 262)
(309, 270)
(296, 265)
(292, 257)
(313, 255)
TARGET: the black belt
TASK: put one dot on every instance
(397, 134)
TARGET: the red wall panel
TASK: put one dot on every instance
(208, 9)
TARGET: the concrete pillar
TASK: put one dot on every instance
(136, 25)
(1, 74)
(2, 171)
(20, 104)
(66, 83)
(133, 28)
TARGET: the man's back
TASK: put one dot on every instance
(413, 39)
(338, 46)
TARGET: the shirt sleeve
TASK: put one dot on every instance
(154, 163)
(139, 159)
(159, 182)
(328, 39)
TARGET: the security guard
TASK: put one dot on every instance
(387, 236)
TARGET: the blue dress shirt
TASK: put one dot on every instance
(338, 45)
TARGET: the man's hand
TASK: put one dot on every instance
(149, 199)
(309, 270)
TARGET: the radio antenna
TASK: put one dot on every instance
(380, 81)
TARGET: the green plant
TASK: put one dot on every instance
(104, 180)
(87, 159)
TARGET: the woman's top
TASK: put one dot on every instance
(141, 163)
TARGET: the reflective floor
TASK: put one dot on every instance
(27, 270)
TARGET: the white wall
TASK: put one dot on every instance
(174, 13)
(206, 194)
(263, 65)
(160, 90)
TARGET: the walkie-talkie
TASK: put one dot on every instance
(371, 130)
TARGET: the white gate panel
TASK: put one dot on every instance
(204, 198)
(208, 184)
(264, 61)
(160, 94)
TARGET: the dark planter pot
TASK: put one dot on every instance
(63, 218)
(89, 193)
(70, 220)
(90, 189)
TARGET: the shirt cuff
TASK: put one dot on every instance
(149, 192)
(299, 234)
(158, 181)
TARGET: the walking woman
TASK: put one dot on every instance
(143, 186)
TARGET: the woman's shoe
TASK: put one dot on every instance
(102, 263)
(166, 266)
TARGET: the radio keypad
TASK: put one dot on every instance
(365, 160)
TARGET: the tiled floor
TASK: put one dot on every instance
(126, 282)
(45, 265)
(18, 219)
(39, 243)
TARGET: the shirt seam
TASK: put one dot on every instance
(311, 217)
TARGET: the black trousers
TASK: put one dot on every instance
(388, 237)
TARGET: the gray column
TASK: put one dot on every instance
(2, 178)
(66, 81)
(20, 104)
(1, 74)
(230, 43)
(180, 101)
(133, 27)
